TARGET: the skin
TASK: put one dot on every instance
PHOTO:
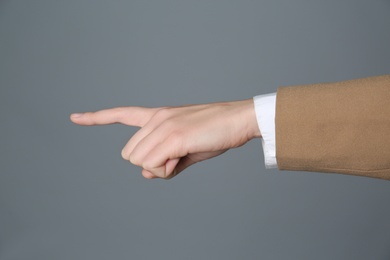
(170, 139)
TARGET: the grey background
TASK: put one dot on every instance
(66, 193)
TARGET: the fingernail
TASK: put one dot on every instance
(76, 115)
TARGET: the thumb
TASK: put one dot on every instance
(184, 163)
(166, 171)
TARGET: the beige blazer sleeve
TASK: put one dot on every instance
(341, 127)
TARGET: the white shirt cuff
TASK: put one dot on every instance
(265, 114)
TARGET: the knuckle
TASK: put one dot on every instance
(124, 155)
(134, 160)
(147, 166)
(163, 113)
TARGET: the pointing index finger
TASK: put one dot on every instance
(132, 116)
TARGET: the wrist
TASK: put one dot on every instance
(252, 120)
(248, 120)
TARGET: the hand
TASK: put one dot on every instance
(173, 138)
